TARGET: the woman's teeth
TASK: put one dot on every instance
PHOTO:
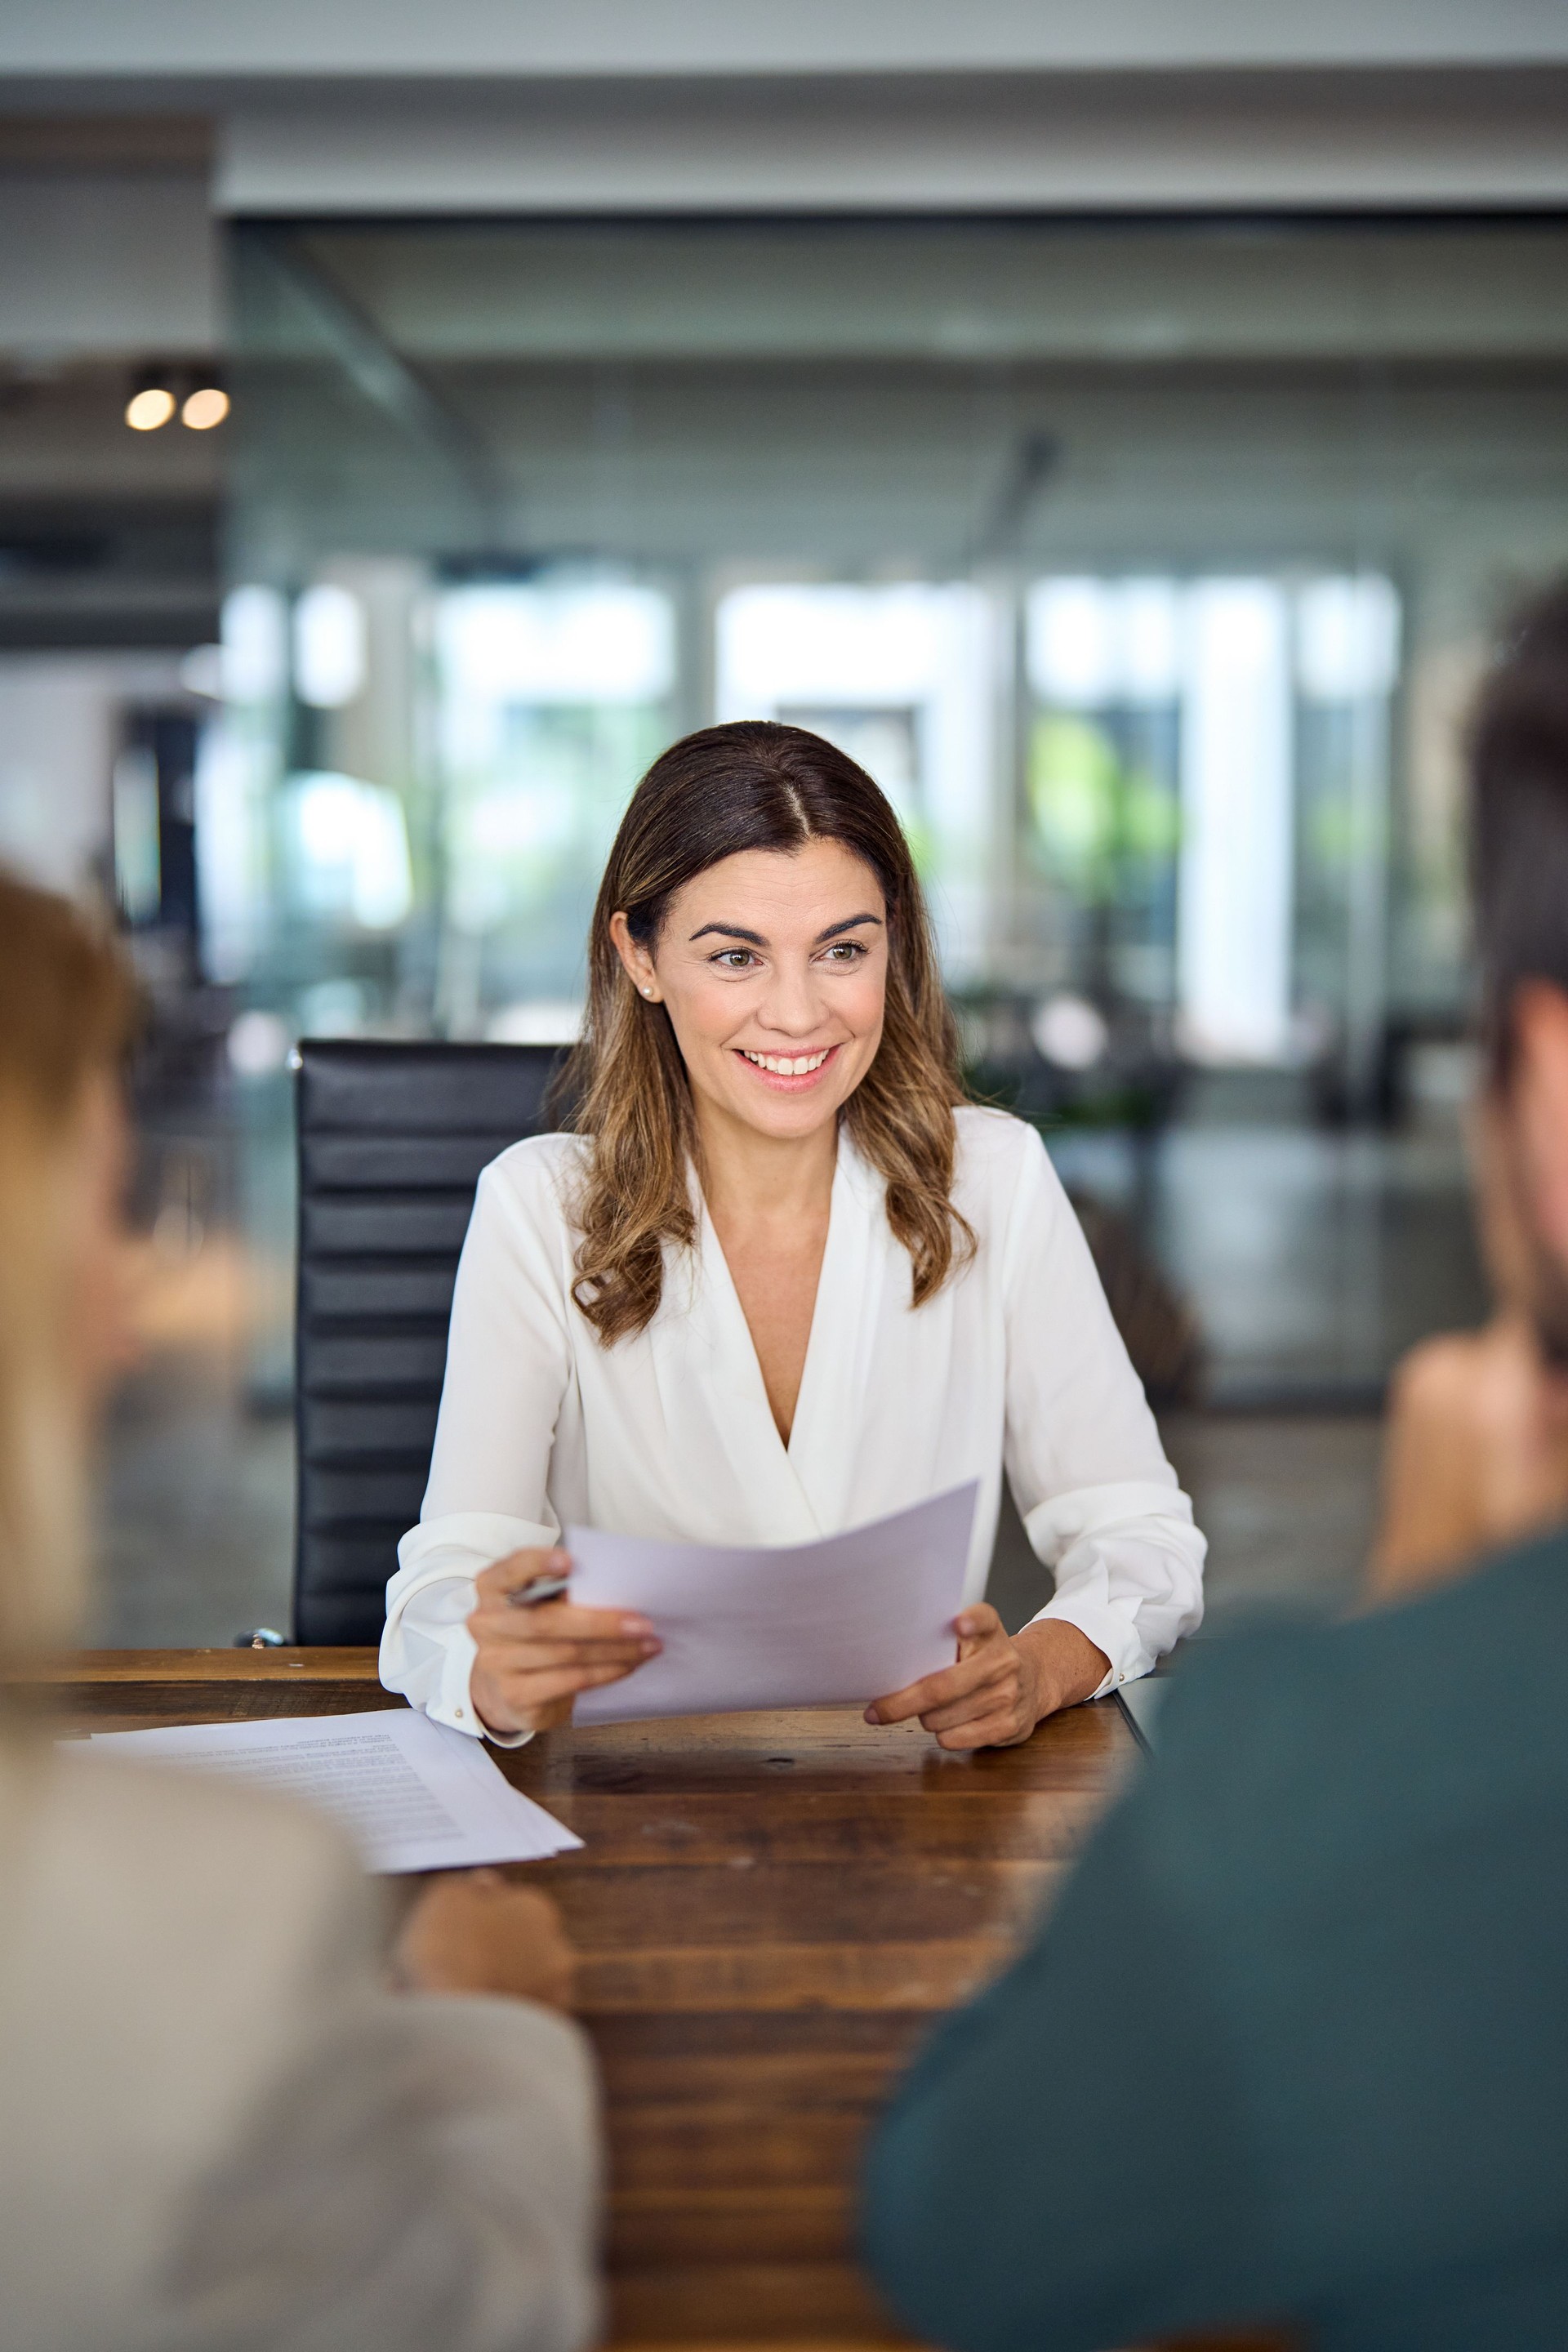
(785, 1066)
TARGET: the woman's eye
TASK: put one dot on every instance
(847, 952)
(734, 959)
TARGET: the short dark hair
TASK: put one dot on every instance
(1519, 817)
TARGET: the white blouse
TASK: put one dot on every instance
(1014, 1362)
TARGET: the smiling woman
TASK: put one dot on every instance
(761, 890)
(781, 1280)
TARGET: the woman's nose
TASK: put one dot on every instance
(793, 1003)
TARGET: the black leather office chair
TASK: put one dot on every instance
(392, 1138)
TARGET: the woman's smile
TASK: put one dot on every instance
(789, 1073)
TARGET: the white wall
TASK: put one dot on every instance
(60, 717)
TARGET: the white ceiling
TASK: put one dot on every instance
(1100, 141)
(303, 39)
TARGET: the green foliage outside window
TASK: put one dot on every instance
(1105, 824)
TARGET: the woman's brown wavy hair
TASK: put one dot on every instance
(67, 1010)
(726, 789)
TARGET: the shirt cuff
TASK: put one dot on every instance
(1110, 1631)
(453, 1704)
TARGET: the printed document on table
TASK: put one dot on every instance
(410, 1793)
(832, 1624)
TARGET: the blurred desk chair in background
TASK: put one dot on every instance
(392, 1138)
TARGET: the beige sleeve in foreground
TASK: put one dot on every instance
(427, 2176)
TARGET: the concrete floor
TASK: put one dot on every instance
(197, 1523)
(1315, 1257)
(1287, 1501)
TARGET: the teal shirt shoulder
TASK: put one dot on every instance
(1294, 2044)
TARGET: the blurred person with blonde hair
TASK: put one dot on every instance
(1327, 1935)
(223, 2126)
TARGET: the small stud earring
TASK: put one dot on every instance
(648, 992)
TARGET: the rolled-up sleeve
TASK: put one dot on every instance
(508, 1363)
(1098, 1499)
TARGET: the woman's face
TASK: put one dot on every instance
(773, 966)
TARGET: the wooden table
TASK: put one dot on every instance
(769, 1911)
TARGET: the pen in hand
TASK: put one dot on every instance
(544, 1588)
(528, 1668)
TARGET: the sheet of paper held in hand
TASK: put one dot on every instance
(410, 1793)
(821, 1624)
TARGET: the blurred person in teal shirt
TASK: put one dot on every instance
(1292, 2049)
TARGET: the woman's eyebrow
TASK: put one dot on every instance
(848, 924)
(755, 938)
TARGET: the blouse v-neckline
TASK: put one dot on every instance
(821, 1438)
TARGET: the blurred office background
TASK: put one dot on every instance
(1125, 444)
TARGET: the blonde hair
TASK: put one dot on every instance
(751, 785)
(66, 1005)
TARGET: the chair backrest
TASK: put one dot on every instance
(392, 1138)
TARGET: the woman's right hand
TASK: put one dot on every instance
(532, 1663)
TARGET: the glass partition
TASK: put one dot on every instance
(1148, 568)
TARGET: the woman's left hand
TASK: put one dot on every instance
(1002, 1685)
